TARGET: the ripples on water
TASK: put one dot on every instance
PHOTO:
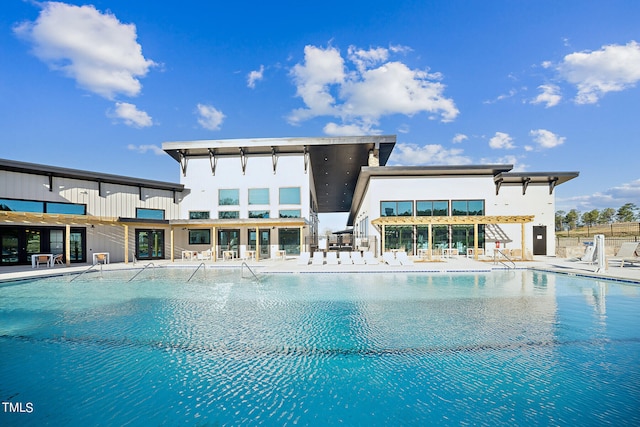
(514, 349)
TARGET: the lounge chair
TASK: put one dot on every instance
(403, 258)
(627, 253)
(370, 259)
(318, 258)
(332, 258)
(345, 258)
(303, 259)
(357, 259)
(390, 258)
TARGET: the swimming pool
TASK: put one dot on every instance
(511, 348)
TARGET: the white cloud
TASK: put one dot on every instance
(613, 68)
(431, 154)
(459, 137)
(95, 49)
(550, 96)
(373, 87)
(209, 117)
(142, 149)
(501, 140)
(353, 129)
(255, 76)
(613, 197)
(502, 97)
(546, 139)
(131, 116)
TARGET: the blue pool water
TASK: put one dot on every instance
(512, 348)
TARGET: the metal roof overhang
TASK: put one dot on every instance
(335, 161)
(418, 171)
(552, 179)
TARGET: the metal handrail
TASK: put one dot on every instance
(143, 269)
(500, 261)
(198, 268)
(85, 271)
(242, 266)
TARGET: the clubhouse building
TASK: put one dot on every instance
(260, 199)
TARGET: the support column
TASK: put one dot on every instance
(301, 239)
(126, 244)
(382, 242)
(258, 244)
(430, 242)
(172, 244)
(214, 240)
(475, 241)
(67, 245)
(522, 244)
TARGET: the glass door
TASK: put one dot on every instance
(228, 241)
(33, 243)
(10, 247)
(77, 243)
(149, 244)
(265, 243)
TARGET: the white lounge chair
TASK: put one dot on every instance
(370, 259)
(403, 258)
(345, 258)
(357, 259)
(390, 258)
(303, 259)
(332, 258)
(627, 253)
(318, 258)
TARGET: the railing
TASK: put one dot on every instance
(86, 271)
(194, 273)
(498, 260)
(143, 269)
(244, 264)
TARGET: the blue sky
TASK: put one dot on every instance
(544, 85)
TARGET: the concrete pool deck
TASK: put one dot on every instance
(629, 273)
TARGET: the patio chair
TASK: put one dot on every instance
(57, 259)
(627, 253)
(345, 258)
(303, 259)
(403, 258)
(101, 258)
(318, 258)
(42, 259)
(332, 258)
(370, 259)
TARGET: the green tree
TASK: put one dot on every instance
(626, 213)
(606, 216)
(571, 219)
(560, 220)
(590, 218)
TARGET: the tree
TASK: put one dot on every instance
(571, 218)
(590, 218)
(560, 220)
(626, 213)
(606, 216)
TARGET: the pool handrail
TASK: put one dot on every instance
(242, 266)
(498, 260)
(197, 268)
(143, 269)
(86, 271)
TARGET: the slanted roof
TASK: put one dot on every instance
(58, 172)
(335, 161)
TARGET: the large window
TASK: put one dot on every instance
(200, 237)
(149, 213)
(289, 240)
(199, 215)
(228, 214)
(258, 196)
(290, 196)
(396, 208)
(432, 208)
(290, 213)
(42, 207)
(467, 207)
(258, 214)
(229, 197)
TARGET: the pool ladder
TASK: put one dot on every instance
(244, 264)
(86, 271)
(143, 269)
(198, 268)
(498, 260)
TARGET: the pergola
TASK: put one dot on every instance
(429, 221)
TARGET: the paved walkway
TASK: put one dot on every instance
(628, 273)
